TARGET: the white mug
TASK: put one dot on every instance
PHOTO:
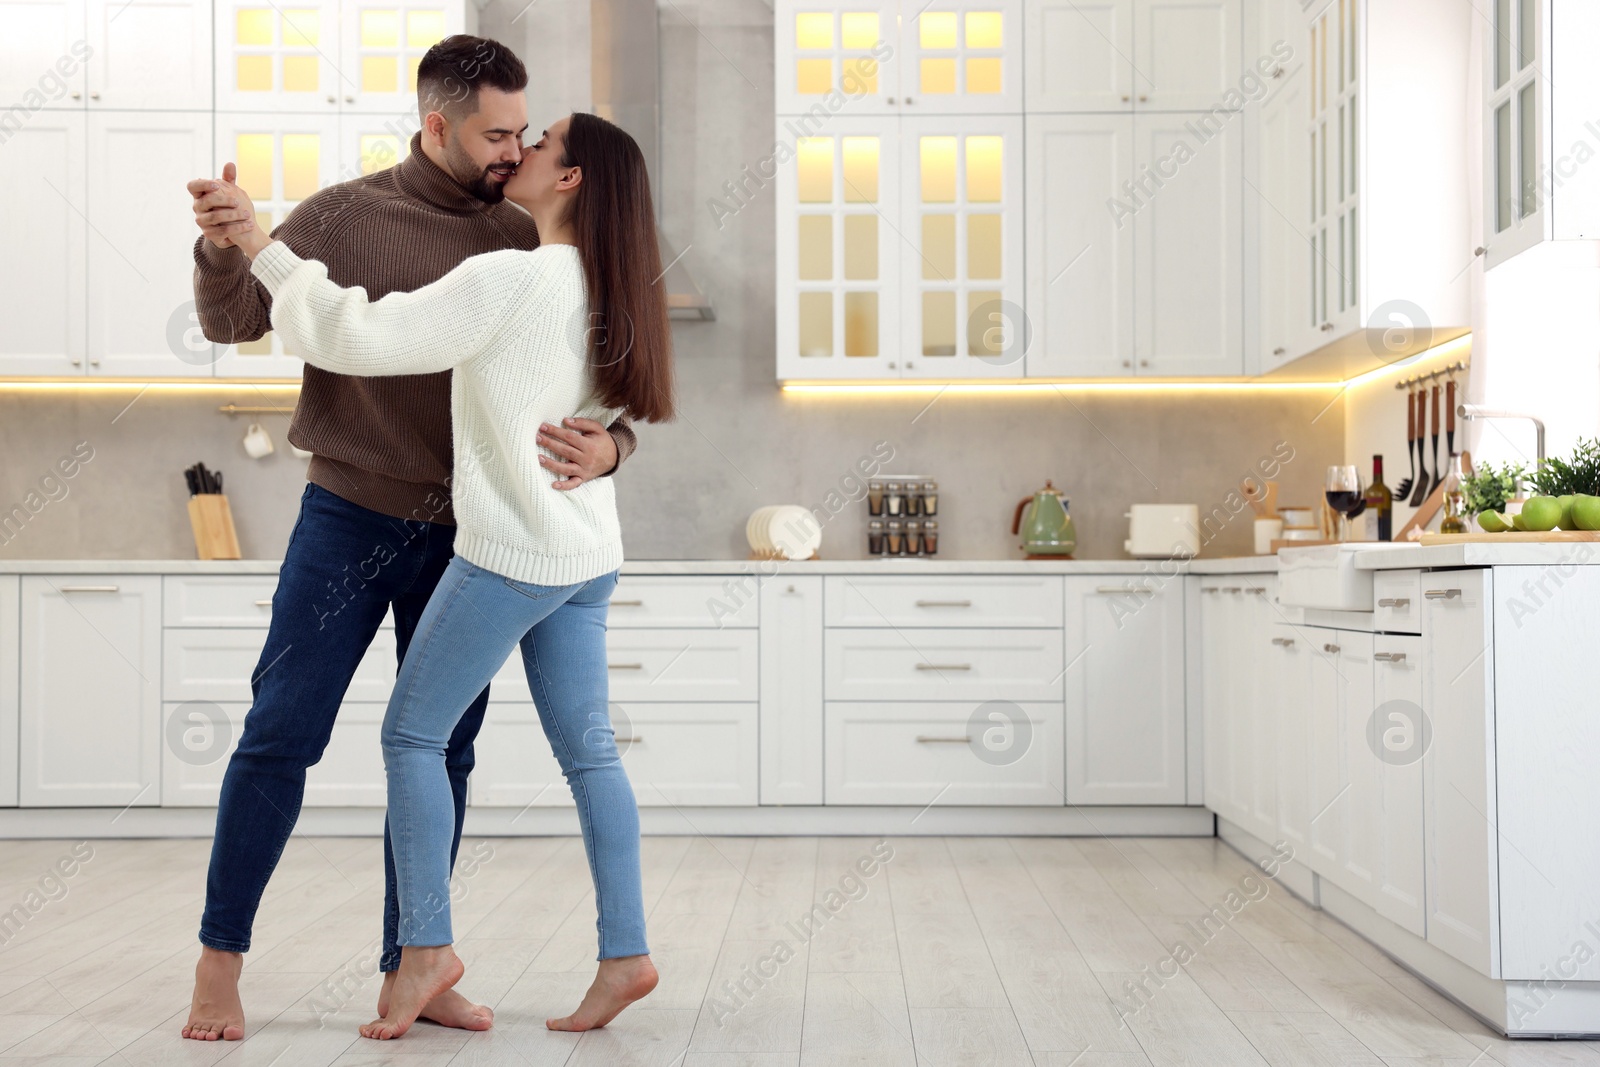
(1267, 531)
(257, 442)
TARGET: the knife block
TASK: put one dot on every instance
(212, 520)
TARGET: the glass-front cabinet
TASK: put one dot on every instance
(1330, 203)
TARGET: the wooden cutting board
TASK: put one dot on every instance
(1511, 537)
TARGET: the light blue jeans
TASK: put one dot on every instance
(473, 622)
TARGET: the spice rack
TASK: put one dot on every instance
(902, 517)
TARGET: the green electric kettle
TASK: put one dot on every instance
(1044, 524)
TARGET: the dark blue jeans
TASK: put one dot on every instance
(344, 568)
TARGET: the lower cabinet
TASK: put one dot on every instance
(1126, 736)
(1289, 666)
(1384, 864)
(1236, 625)
(10, 612)
(791, 691)
(90, 691)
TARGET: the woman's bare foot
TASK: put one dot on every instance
(447, 1009)
(619, 982)
(216, 1013)
(424, 973)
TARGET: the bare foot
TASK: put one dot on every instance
(620, 982)
(447, 1009)
(215, 1013)
(424, 973)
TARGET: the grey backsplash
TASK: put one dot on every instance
(739, 442)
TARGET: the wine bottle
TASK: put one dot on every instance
(1380, 505)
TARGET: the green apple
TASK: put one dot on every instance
(1494, 522)
(1565, 522)
(1541, 513)
(1586, 512)
(1517, 523)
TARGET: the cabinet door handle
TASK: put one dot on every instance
(627, 603)
(1231, 589)
(624, 666)
(925, 739)
(1330, 648)
(944, 666)
(1284, 642)
(1126, 98)
(635, 739)
(1259, 592)
(1389, 657)
(89, 588)
(1394, 602)
(1280, 351)
(1442, 594)
(263, 603)
(1210, 589)
(944, 603)
(1122, 590)
(1327, 327)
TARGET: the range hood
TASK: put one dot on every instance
(625, 73)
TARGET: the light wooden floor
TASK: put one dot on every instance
(959, 951)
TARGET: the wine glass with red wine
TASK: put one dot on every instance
(1343, 491)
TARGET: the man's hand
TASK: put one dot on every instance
(218, 210)
(585, 448)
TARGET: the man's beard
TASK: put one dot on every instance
(475, 179)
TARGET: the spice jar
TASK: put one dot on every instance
(894, 540)
(894, 502)
(875, 537)
(874, 498)
(930, 538)
(930, 498)
(913, 545)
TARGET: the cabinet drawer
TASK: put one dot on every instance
(917, 753)
(969, 665)
(228, 600)
(679, 754)
(1397, 601)
(218, 664)
(661, 665)
(710, 602)
(943, 600)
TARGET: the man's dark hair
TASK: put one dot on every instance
(452, 72)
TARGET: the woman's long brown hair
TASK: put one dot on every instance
(614, 223)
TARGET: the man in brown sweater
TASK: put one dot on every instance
(375, 527)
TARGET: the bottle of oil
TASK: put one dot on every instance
(1454, 521)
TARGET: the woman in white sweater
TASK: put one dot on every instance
(578, 325)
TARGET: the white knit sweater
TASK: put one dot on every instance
(512, 325)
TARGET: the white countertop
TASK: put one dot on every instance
(1253, 564)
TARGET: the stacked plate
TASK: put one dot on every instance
(785, 530)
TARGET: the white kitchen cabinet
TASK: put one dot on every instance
(90, 694)
(42, 55)
(945, 57)
(280, 59)
(1126, 736)
(968, 666)
(219, 665)
(350, 773)
(791, 713)
(10, 685)
(42, 179)
(1384, 858)
(683, 602)
(1290, 666)
(231, 600)
(662, 665)
(1377, 209)
(380, 44)
(1340, 697)
(944, 601)
(1126, 55)
(199, 739)
(1188, 246)
(1080, 258)
(1235, 619)
(1461, 847)
(149, 54)
(139, 291)
(921, 753)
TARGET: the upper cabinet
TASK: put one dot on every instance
(948, 57)
(1362, 212)
(324, 58)
(1539, 84)
(1126, 55)
(106, 54)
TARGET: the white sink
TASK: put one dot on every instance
(1325, 577)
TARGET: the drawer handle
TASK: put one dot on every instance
(1394, 602)
(89, 588)
(1330, 648)
(624, 666)
(1232, 589)
(627, 603)
(1117, 590)
(1389, 657)
(1210, 589)
(264, 603)
(1284, 642)
(925, 739)
(944, 666)
(944, 603)
(1258, 591)
(634, 740)
(1442, 594)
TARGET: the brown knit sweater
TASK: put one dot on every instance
(382, 443)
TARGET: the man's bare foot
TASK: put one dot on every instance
(215, 1013)
(620, 982)
(447, 1009)
(424, 973)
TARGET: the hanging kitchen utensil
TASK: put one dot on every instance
(1403, 490)
(1438, 472)
(1420, 493)
(1450, 414)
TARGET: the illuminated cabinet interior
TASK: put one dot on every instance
(900, 222)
